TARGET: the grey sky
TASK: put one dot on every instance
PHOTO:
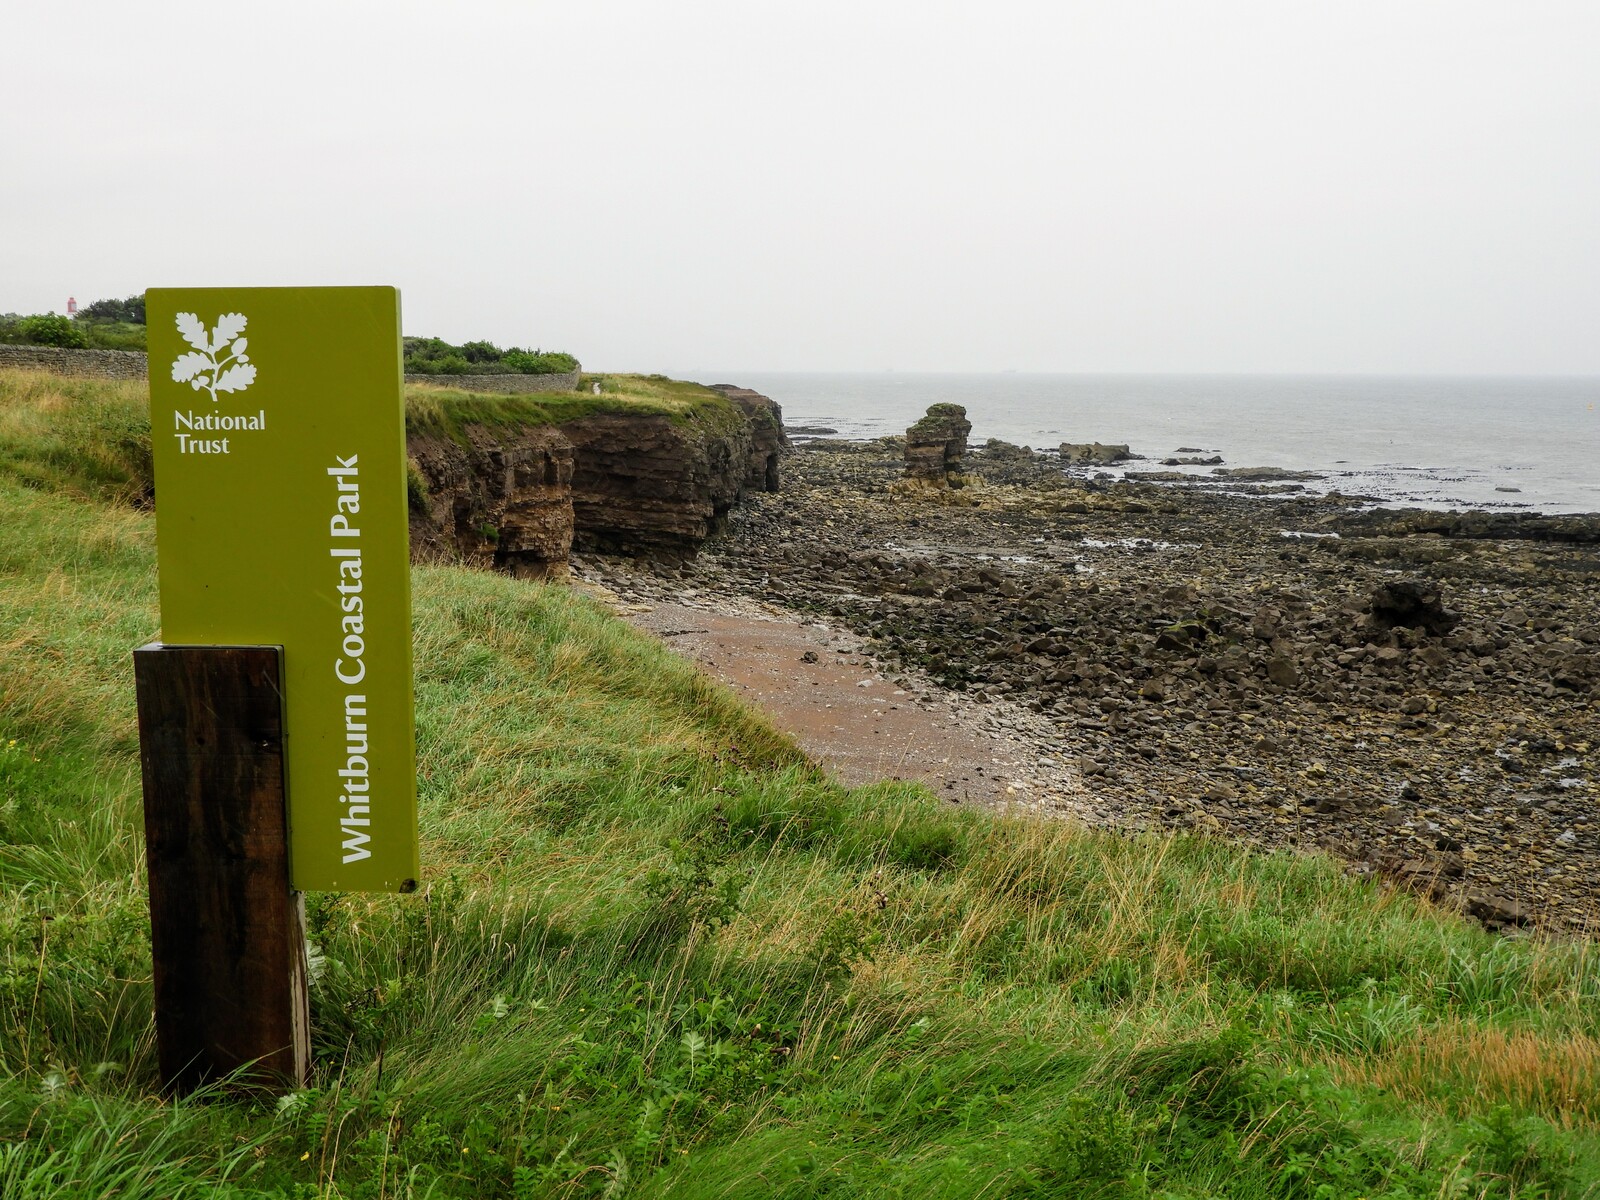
(1123, 186)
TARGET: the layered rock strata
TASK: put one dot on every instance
(936, 444)
(768, 441)
(652, 485)
(503, 499)
(519, 498)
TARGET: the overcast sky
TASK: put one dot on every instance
(1346, 185)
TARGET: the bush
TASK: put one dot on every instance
(113, 324)
(129, 311)
(116, 335)
(51, 329)
(435, 356)
(539, 362)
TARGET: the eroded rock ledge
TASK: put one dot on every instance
(517, 497)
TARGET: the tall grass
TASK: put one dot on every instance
(658, 953)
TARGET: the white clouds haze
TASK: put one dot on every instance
(1131, 186)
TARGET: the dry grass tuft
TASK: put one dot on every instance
(1460, 1063)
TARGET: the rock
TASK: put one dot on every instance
(1146, 638)
(1283, 672)
(1412, 603)
(1574, 528)
(1494, 909)
(935, 444)
(1094, 454)
(500, 498)
(768, 442)
(1263, 474)
(1423, 876)
(649, 484)
(1001, 451)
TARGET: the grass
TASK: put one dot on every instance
(658, 954)
(92, 437)
(443, 409)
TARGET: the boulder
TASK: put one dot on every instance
(1094, 454)
(936, 444)
(1413, 604)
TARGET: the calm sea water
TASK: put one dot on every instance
(1438, 442)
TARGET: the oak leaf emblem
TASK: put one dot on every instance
(220, 361)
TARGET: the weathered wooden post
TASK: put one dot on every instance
(275, 721)
(227, 937)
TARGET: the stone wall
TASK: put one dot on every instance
(96, 364)
(501, 385)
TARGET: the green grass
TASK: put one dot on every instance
(92, 437)
(658, 954)
(446, 408)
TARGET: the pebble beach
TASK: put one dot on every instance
(1414, 692)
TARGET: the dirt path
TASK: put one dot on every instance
(819, 685)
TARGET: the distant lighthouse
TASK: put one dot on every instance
(72, 306)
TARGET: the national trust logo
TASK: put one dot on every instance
(218, 362)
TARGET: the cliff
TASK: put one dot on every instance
(647, 466)
(768, 442)
(498, 498)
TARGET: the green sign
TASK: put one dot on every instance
(278, 424)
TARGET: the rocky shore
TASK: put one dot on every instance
(1415, 692)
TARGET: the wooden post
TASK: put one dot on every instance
(226, 931)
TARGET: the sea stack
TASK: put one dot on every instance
(935, 445)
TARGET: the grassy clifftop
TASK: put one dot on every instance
(658, 954)
(445, 409)
(92, 436)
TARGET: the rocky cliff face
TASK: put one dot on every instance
(519, 497)
(649, 485)
(502, 500)
(936, 444)
(768, 442)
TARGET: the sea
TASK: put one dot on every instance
(1487, 442)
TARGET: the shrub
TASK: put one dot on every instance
(539, 362)
(129, 311)
(435, 356)
(51, 329)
